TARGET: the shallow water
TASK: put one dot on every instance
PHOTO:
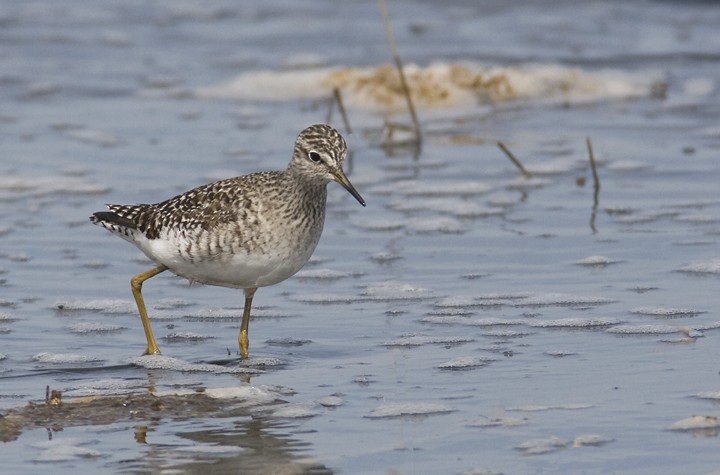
(468, 320)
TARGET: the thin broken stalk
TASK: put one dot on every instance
(341, 108)
(398, 64)
(337, 99)
(512, 158)
(596, 180)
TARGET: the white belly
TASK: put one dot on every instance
(240, 269)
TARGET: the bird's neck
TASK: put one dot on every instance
(307, 193)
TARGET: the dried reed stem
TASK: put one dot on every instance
(341, 108)
(596, 180)
(512, 158)
(398, 64)
(594, 168)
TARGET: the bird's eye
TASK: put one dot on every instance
(314, 156)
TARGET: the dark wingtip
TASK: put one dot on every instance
(103, 216)
(112, 218)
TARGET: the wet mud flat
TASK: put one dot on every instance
(248, 447)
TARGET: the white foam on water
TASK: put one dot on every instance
(463, 320)
(116, 307)
(101, 305)
(696, 423)
(6, 317)
(287, 341)
(438, 85)
(542, 446)
(503, 421)
(626, 166)
(92, 137)
(558, 166)
(444, 225)
(691, 332)
(714, 395)
(263, 362)
(710, 266)
(330, 401)
(16, 187)
(591, 440)
(503, 333)
(699, 86)
(325, 298)
(667, 312)
(64, 449)
(560, 353)
(322, 274)
(503, 200)
(572, 406)
(385, 257)
(449, 312)
(466, 362)
(91, 327)
(573, 84)
(441, 188)
(271, 86)
(643, 329)
(574, 322)
(407, 135)
(2, 357)
(294, 411)
(173, 364)
(560, 299)
(220, 314)
(400, 409)
(305, 60)
(394, 290)
(596, 261)
(421, 340)
(378, 224)
(707, 326)
(503, 297)
(250, 395)
(523, 183)
(186, 336)
(461, 208)
(457, 301)
(106, 387)
(215, 314)
(65, 358)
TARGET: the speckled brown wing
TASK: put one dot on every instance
(204, 207)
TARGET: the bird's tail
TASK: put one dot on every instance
(115, 222)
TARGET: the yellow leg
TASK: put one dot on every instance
(136, 286)
(243, 338)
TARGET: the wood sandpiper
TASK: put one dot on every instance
(245, 232)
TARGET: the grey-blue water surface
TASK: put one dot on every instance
(467, 321)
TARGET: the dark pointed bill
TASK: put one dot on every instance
(343, 180)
